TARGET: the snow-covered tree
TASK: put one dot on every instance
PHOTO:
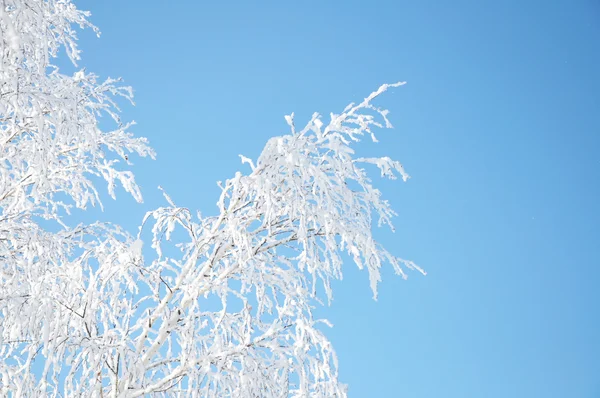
(224, 306)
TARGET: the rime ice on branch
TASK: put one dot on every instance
(225, 305)
(54, 306)
(276, 243)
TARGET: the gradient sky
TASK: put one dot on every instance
(498, 126)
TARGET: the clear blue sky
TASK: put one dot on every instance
(499, 126)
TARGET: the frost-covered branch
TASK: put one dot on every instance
(238, 307)
(224, 306)
(53, 314)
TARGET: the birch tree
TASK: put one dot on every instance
(214, 306)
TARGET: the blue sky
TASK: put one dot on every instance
(498, 127)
